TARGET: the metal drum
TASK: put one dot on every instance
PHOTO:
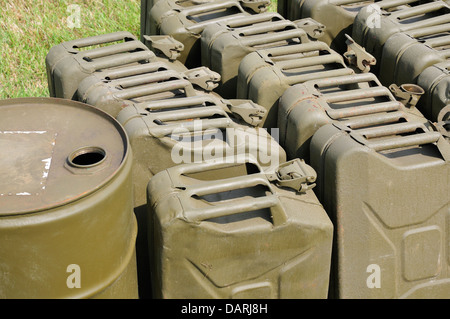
(67, 228)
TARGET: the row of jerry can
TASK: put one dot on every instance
(346, 197)
(409, 39)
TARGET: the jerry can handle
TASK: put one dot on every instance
(145, 90)
(109, 75)
(271, 201)
(99, 39)
(146, 78)
(176, 103)
(238, 207)
(428, 137)
(284, 35)
(116, 48)
(295, 174)
(208, 7)
(163, 130)
(112, 61)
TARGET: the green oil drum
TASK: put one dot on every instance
(67, 228)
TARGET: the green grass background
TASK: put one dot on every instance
(29, 28)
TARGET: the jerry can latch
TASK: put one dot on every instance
(165, 44)
(203, 77)
(313, 28)
(443, 122)
(358, 56)
(250, 112)
(257, 6)
(295, 174)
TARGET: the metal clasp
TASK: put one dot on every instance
(250, 112)
(165, 44)
(443, 122)
(203, 77)
(258, 6)
(313, 28)
(356, 55)
(295, 174)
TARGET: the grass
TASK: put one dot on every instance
(29, 28)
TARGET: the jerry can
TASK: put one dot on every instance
(170, 132)
(70, 62)
(264, 75)
(372, 28)
(386, 190)
(336, 15)
(229, 230)
(359, 99)
(225, 44)
(113, 89)
(67, 228)
(435, 80)
(186, 24)
(407, 54)
(148, 26)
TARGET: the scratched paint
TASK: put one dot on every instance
(46, 162)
